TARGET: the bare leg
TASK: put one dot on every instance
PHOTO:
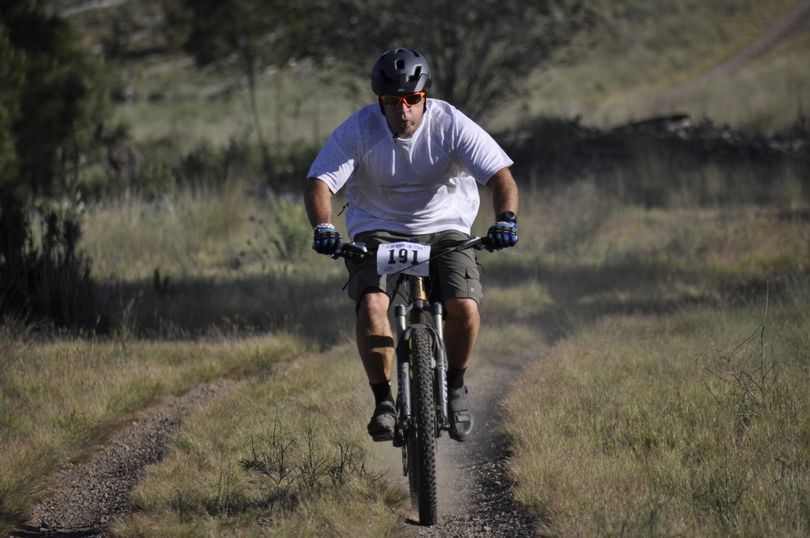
(375, 342)
(461, 330)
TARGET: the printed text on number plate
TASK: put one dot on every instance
(408, 258)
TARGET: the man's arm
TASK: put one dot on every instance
(318, 201)
(504, 192)
(504, 233)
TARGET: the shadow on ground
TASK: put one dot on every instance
(582, 294)
(319, 309)
(315, 309)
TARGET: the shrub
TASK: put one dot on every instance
(48, 280)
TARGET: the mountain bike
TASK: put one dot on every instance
(422, 408)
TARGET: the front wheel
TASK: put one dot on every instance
(422, 434)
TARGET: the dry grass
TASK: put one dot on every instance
(190, 234)
(641, 49)
(671, 403)
(287, 454)
(59, 400)
(654, 414)
(669, 425)
(609, 284)
(212, 260)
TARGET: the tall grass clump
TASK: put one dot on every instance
(44, 276)
(188, 233)
(689, 424)
(213, 258)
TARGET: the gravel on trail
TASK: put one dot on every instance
(475, 488)
(87, 495)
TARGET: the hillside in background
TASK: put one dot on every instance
(738, 62)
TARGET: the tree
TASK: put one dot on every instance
(253, 34)
(481, 53)
(54, 103)
(11, 81)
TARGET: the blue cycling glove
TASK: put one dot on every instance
(504, 233)
(326, 239)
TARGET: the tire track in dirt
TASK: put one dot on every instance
(86, 496)
(794, 23)
(475, 489)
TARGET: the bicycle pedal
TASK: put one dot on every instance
(382, 437)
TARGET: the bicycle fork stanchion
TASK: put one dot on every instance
(403, 380)
(441, 369)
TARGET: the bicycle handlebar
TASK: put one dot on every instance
(359, 250)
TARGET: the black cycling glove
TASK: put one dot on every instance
(326, 239)
(504, 233)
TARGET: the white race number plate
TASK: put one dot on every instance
(403, 257)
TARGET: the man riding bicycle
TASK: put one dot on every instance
(411, 165)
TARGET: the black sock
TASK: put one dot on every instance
(455, 378)
(382, 392)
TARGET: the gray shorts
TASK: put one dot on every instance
(452, 276)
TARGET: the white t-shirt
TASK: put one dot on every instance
(422, 184)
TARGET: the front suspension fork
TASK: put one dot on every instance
(403, 373)
(441, 367)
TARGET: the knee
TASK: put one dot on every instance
(461, 308)
(373, 304)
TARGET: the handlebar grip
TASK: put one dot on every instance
(478, 243)
(350, 250)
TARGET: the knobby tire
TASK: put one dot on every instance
(422, 442)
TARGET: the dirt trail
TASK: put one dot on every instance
(87, 495)
(792, 24)
(475, 489)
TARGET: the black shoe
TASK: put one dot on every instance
(461, 419)
(381, 427)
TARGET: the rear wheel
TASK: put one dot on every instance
(422, 434)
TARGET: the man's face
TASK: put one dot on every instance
(404, 113)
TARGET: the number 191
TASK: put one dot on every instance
(402, 255)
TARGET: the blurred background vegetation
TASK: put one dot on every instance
(150, 101)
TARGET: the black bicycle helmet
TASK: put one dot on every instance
(400, 71)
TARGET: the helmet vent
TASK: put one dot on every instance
(399, 65)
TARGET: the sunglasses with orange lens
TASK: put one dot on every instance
(395, 100)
